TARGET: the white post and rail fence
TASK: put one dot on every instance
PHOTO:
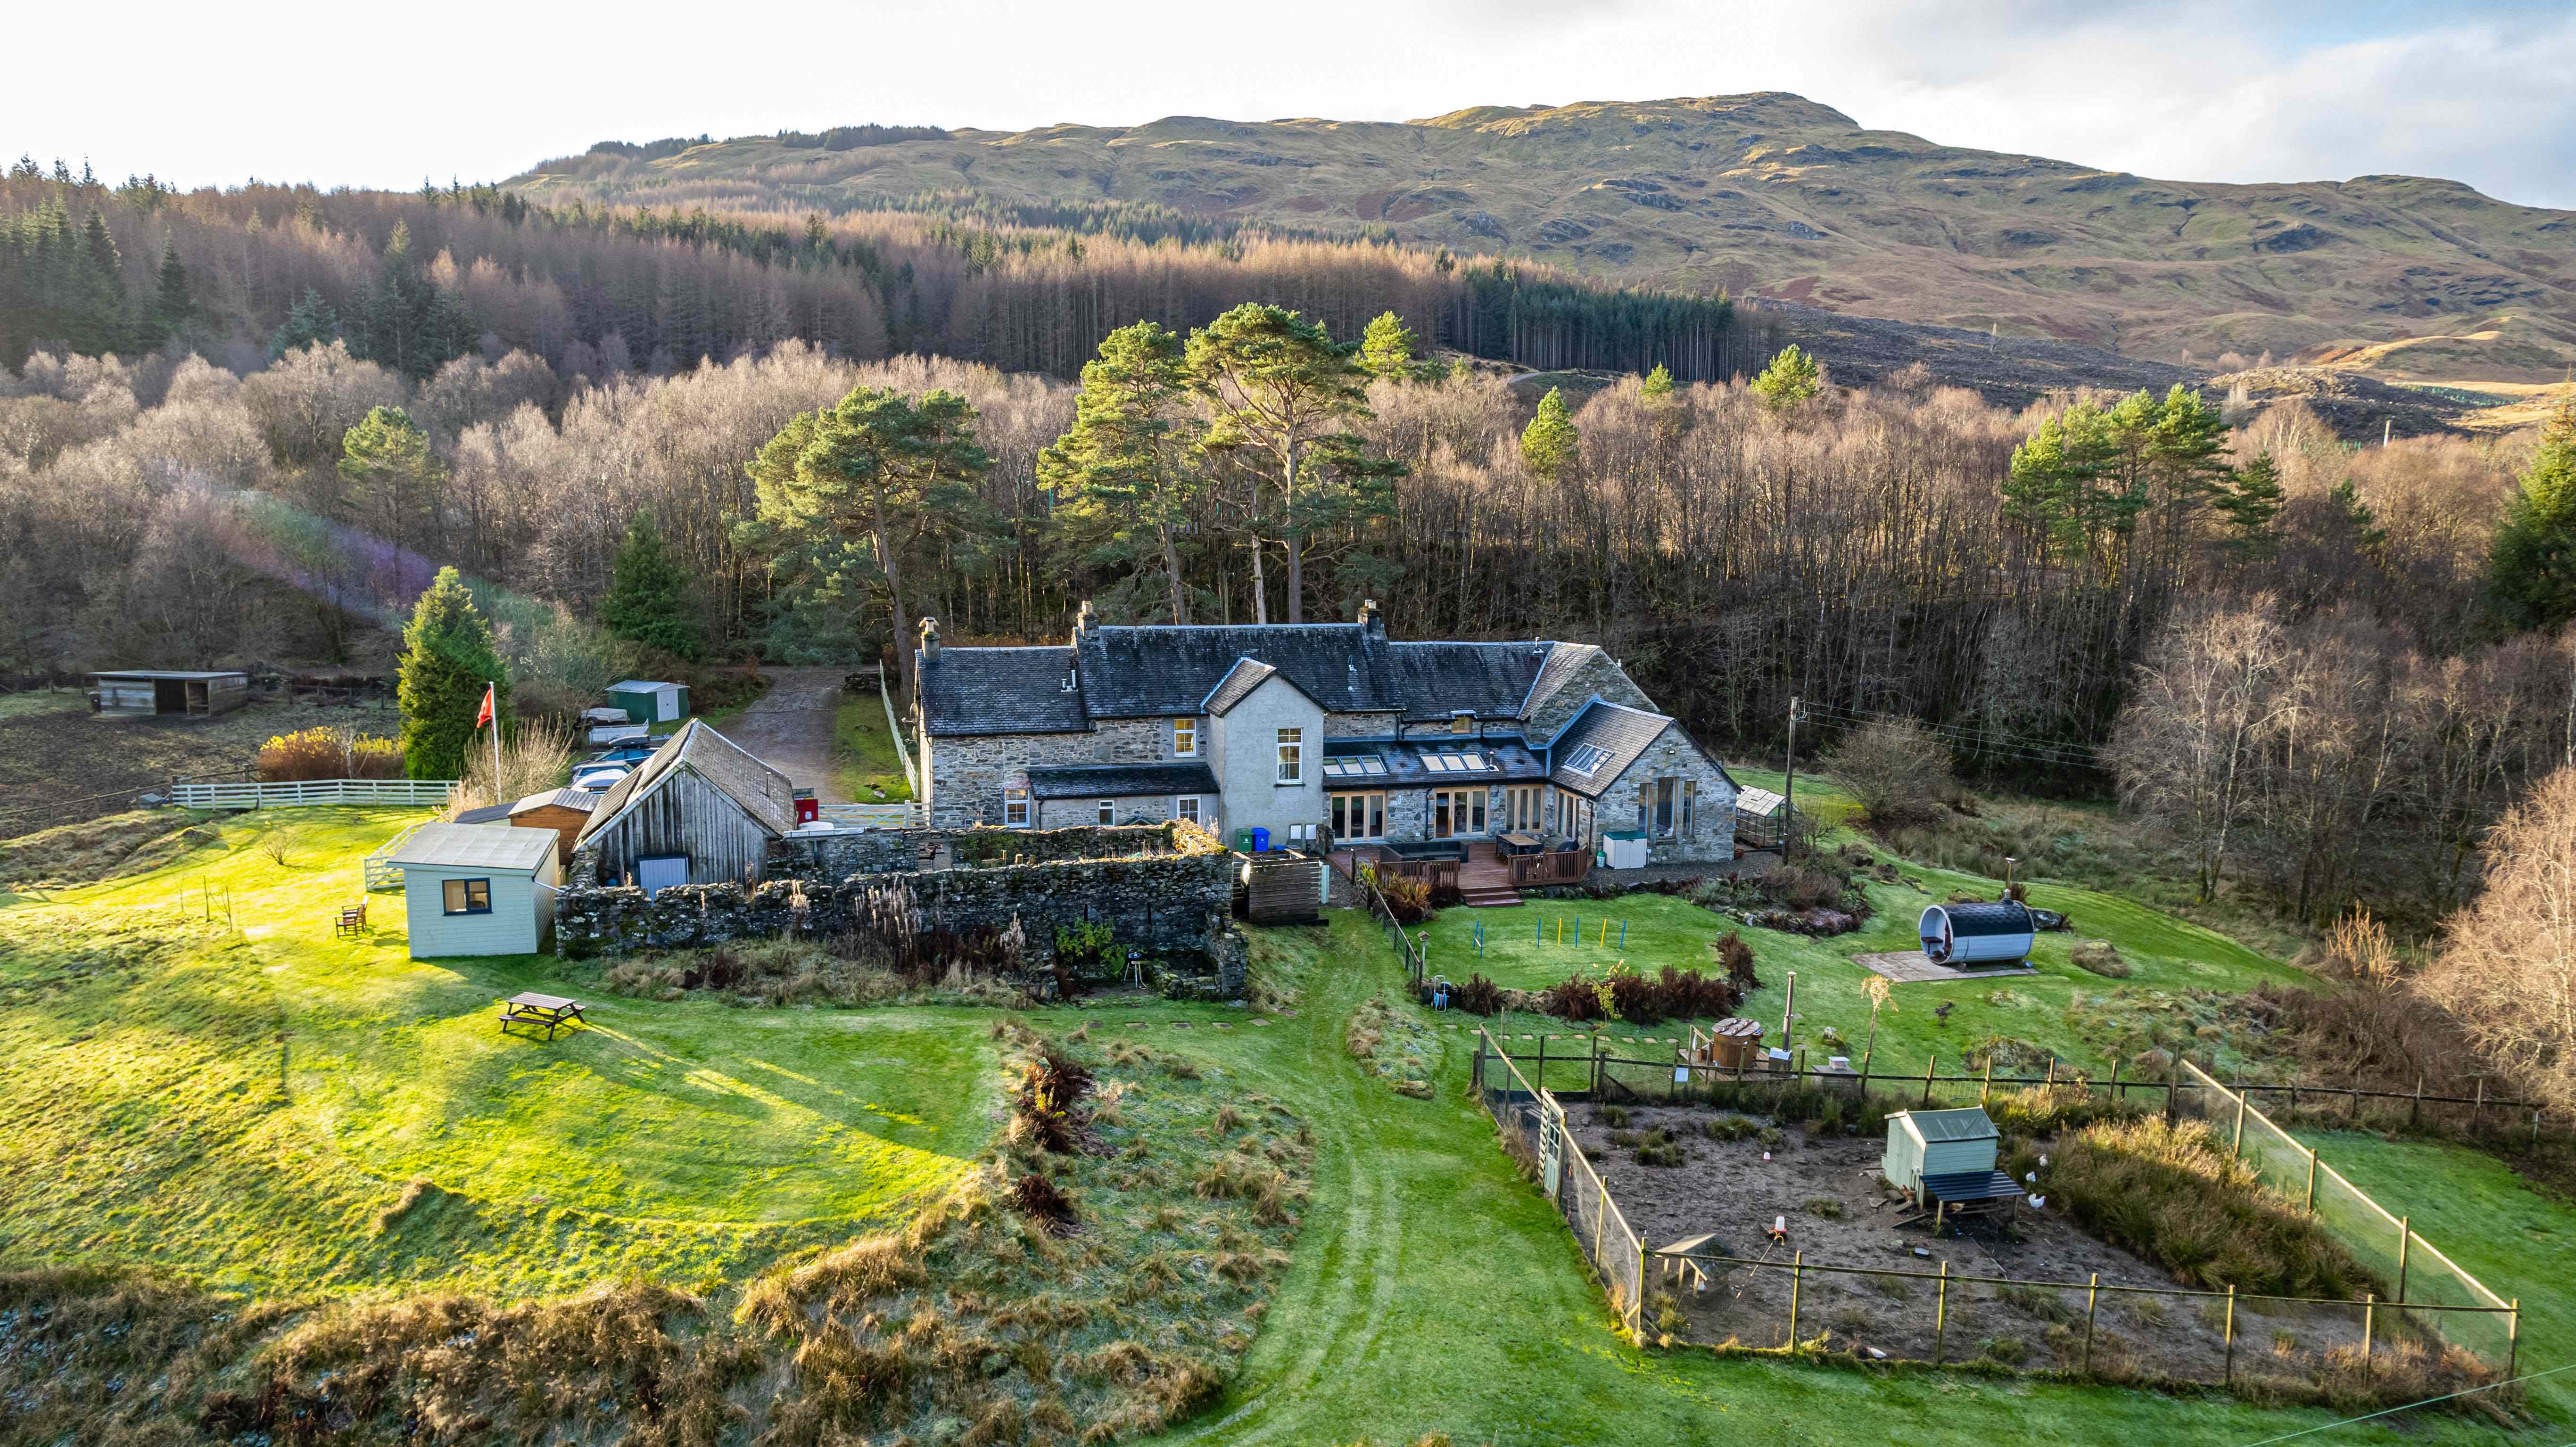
(304, 793)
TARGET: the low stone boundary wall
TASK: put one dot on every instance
(1167, 891)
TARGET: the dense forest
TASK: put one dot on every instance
(414, 280)
(2095, 593)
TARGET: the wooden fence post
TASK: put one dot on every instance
(1539, 1081)
(1600, 1211)
(1940, 1312)
(1928, 1062)
(2415, 1112)
(1862, 1097)
(1797, 1277)
(2513, 1340)
(2369, 1310)
(2530, 1149)
(2230, 1374)
(2405, 1237)
(2237, 1150)
(2477, 1112)
(2312, 1183)
(1986, 1087)
(2173, 1082)
(2115, 1084)
(2092, 1300)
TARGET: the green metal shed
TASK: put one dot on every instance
(1924, 1143)
(647, 702)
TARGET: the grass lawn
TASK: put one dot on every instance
(2168, 957)
(1430, 1288)
(2472, 1208)
(140, 1095)
(864, 761)
(1433, 1290)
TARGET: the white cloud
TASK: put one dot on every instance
(2198, 91)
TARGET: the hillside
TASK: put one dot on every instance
(1765, 194)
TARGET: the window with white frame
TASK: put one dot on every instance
(1185, 738)
(1108, 811)
(1292, 756)
(1015, 808)
(1186, 806)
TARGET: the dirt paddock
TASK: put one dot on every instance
(1839, 1212)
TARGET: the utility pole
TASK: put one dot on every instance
(1789, 791)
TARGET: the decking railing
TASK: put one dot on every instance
(1563, 866)
(306, 793)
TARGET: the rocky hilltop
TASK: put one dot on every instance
(1768, 195)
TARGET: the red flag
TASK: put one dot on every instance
(485, 715)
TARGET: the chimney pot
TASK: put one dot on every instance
(930, 640)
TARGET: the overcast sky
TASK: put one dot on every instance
(384, 96)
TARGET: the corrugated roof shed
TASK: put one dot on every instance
(474, 846)
(1969, 1124)
(762, 791)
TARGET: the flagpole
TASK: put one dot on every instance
(492, 702)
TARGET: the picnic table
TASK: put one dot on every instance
(531, 1009)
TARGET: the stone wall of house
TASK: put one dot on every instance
(967, 775)
(1599, 674)
(1359, 725)
(1711, 836)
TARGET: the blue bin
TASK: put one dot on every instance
(1260, 841)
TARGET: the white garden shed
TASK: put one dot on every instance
(477, 889)
(1931, 1143)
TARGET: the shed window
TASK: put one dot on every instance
(1015, 808)
(1185, 738)
(1292, 756)
(467, 896)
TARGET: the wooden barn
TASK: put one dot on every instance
(141, 692)
(702, 809)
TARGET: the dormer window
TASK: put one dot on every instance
(1185, 738)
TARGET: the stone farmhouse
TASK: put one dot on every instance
(1301, 729)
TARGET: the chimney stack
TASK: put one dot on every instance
(1085, 623)
(930, 640)
(1372, 622)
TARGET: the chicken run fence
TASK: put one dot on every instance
(1704, 1293)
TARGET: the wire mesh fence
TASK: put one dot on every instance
(2116, 1332)
(1533, 1128)
(2418, 1273)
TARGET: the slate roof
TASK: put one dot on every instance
(1558, 669)
(1006, 691)
(474, 846)
(1121, 781)
(1237, 685)
(762, 791)
(1511, 763)
(1167, 672)
(488, 814)
(1617, 730)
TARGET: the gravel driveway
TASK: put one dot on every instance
(791, 727)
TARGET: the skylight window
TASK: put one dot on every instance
(1355, 766)
(1454, 762)
(1587, 759)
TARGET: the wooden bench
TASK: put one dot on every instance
(353, 921)
(553, 1012)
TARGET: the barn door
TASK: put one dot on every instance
(659, 872)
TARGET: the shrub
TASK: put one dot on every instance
(1737, 956)
(329, 753)
(2101, 958)
(1479, 996)
(1897, 770)
(2169, 1194)
(1046, 1104)
(1039, 1199)
(1409, 900)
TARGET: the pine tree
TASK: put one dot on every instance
(2531, 574)
(95, 323)
(172, 301)
(448, 659)
(1549, 443)
(2248, 501)
(649, 598)
(308, 322)
(1792, 378)
(386, 462)
(1658, 385)
(1388, 349)
(1132, 451)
